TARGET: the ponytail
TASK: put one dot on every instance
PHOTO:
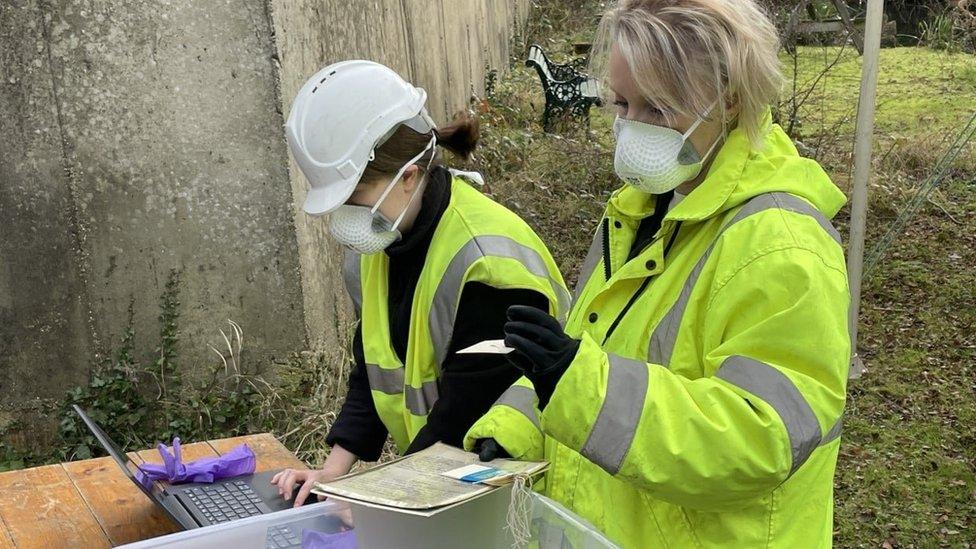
(460, 136)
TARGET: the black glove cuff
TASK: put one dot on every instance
(545, 382)
(545, 385)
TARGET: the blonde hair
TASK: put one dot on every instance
(687, 54)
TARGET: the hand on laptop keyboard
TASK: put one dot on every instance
(289, 480)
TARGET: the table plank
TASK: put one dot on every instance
(123, 511)
(268, 451)
(5, 541)
(42, 508)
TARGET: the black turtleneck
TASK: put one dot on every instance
(469, 384)
(649, 226)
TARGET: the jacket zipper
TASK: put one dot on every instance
(606, 249)
(640, 290)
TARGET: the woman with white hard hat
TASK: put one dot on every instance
(431, 265)
(694, 396)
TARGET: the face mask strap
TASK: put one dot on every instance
(399, 174)
(416, 191)
(712, 148)
(700, 119)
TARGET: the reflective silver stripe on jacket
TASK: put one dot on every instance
(351, 264)
(616, 423)
(444, 306)
(777, 390)
(390, 381)
(627, 383)
(834, 432)
(663, 339)
(524, 400)
(420, 401)
(385, 380)
(593, 257)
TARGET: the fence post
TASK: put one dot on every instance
(862, 168)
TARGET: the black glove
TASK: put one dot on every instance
(543, 351)
(489, 449)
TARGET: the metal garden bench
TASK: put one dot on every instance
(567, 89)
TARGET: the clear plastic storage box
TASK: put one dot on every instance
(477, 524)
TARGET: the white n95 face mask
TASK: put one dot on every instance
(364, 229)
(359, 229)
(656, 159)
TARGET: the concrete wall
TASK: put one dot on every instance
(138, 137)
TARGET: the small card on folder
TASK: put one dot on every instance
(489, 347)
(474, 473)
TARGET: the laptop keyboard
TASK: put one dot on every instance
(225, 502)
(282, 537)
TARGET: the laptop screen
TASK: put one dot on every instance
(129, 467)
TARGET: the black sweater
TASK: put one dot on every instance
(469, 384)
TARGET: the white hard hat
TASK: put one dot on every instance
(339, 117)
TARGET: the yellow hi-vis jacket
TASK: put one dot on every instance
(476, 240)
(704, 406)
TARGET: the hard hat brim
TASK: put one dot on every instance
(322, 200)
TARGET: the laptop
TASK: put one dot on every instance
(193, 505)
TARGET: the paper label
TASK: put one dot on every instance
(489, 347)
(474, 473)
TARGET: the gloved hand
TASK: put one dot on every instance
(489, 449)
(543, 351)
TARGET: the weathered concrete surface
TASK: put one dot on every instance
(45, 341)
(170, 140)
(142, 136)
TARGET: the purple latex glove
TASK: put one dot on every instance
(239, 461)
(312, 539)
(143, 479)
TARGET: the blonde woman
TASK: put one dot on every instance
(694, 396)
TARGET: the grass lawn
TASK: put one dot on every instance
(919, 89)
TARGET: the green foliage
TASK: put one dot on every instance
(165, 366)
(912, 15)
(139, 404)
(907, 472)
(939, 33)
(11, 463)
(10, 458)
(111, 398)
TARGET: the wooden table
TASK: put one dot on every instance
(92, 503)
